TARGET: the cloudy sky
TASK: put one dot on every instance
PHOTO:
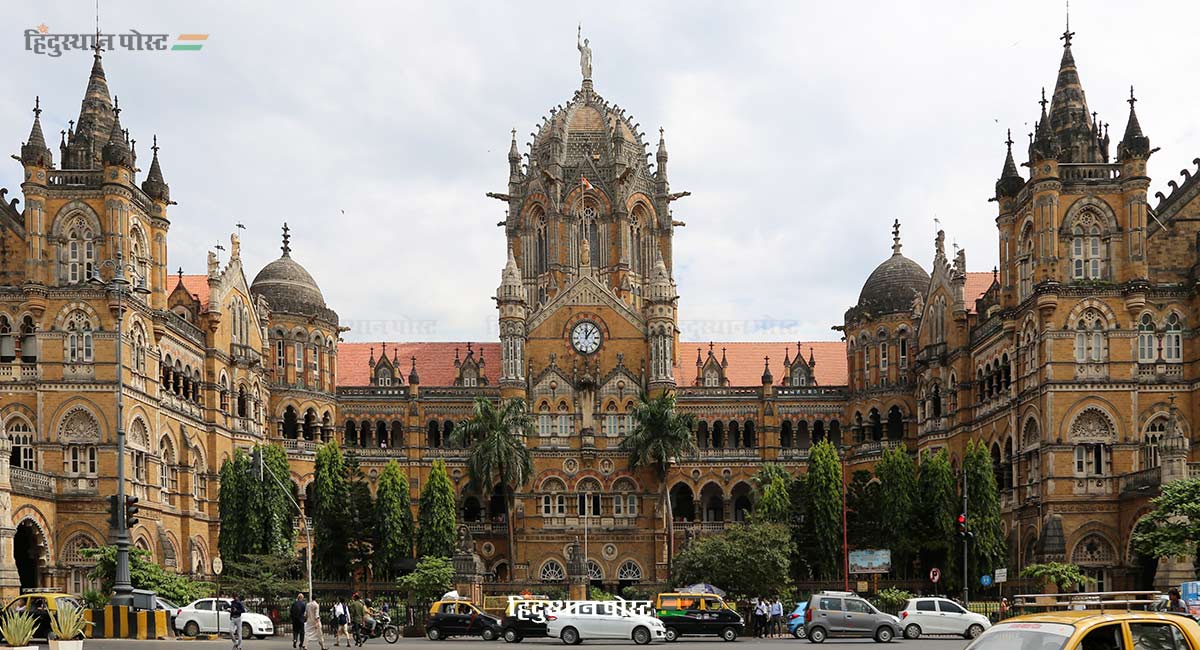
(801, 128)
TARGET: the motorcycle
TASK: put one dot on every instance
(383, 628)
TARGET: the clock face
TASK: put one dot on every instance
(585, 337)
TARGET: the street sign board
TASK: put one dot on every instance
(1001, 576)
(935, 574)
(871, 561)
(217, 566)
(985, 580)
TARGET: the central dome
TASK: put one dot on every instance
(892, 285)
(288, 287)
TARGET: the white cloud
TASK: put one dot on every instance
(802, 129)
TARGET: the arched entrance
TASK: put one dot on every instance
(28, 545)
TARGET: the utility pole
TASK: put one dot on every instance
(845, 534)
(966, 542)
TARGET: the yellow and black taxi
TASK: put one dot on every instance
(1092, 629)
(42, 605)
(460, 617)
(698, 614)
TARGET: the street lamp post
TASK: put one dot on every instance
(122, 585)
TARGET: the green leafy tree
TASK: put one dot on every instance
(744, 560)
(363, 537)
(774, 503)
(436, 532)
(767, 473)
(823, 510)
(936, 512)
(263, 576)
(393, 521)
(256, 515)
(983, 509)
(897, 476)
(332, 517)
(144, 574)
(1172, 529)
(432, 577)
(864, 516)
(659, 436)
(496, 435)
(1064, 577)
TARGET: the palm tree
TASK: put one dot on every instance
(496, 435)
(659, 436)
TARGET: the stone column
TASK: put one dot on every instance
(10, 580)
(468, 568)
(577, 573)
(1173, 571)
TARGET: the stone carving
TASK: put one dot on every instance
(235, 246)
(213, 264)
(1091, 425)
(585, 54)
(585, 253)
(79, 426)
(465, 543)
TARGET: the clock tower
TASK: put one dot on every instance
(587, 302)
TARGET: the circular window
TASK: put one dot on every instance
(610, 551)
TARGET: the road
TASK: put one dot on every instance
(280, 643)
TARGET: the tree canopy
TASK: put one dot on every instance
(1173, 527)
(256, 514)
(823, 493)
(144, 574)
(746, 561)
(436, 532)
(393, 521)
(983, 509)
(331, 525)
(897, 476)
(936, 512)
(432, 577)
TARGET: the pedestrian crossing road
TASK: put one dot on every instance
(283, 643)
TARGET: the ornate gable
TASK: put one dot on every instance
(798, 371)
(709, 371)
(470, 369)
(586, 290)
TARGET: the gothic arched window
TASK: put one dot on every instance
(1089, 338)
(1154, 436)
(81, 252)
(552, 571)
(1147, 341)
(79, 338)
(21, 435)
(1173, 340)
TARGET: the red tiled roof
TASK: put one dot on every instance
(197, 285)
(435, 361)
(746, 361)
(977, 284)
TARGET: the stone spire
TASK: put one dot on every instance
(413, 377)
(1072, 123)
(660, 174)
(116, 151)
(1134, 144)
(94, 126)
(514, 160)
(510, 280)
(287, 247)
(1010, 179)
(35, 151)
(1045, 143)
(767, 379)
(155, 186)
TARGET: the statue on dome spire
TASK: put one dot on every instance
(585, 53)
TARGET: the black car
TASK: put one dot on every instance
(698, 614)
(450, 617)
(523, 619)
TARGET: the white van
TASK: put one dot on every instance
(607, 619)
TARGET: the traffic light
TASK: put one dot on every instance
(131, 510)
(962, 525)
(114, 512)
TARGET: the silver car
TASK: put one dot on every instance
(843, 614)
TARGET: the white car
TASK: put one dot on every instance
(602, 620)
(211, 615)
(940, 616)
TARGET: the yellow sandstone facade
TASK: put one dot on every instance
(1074, 360)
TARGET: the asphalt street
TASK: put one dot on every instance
(281, 643)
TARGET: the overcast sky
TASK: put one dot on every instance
(802, 130)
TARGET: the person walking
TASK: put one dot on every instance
(776, 618)
(296, 614)
(762, 611)
(312, 625)
(341, 622)
(358, 610)
(236, 609)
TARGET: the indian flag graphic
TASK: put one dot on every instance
(190, 42)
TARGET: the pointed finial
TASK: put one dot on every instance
(1068, 34)
(896, 237)
(287, 248)
(116, 106)
(1043, 102)
(995, 274)
(154, 147)
(37, 106)
(1009, 141)
(181, 275)
(1132, 100)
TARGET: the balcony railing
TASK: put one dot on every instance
(1145, 480)
(740, 452)
(74, 178)
(26, 481)
(1088, 172)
